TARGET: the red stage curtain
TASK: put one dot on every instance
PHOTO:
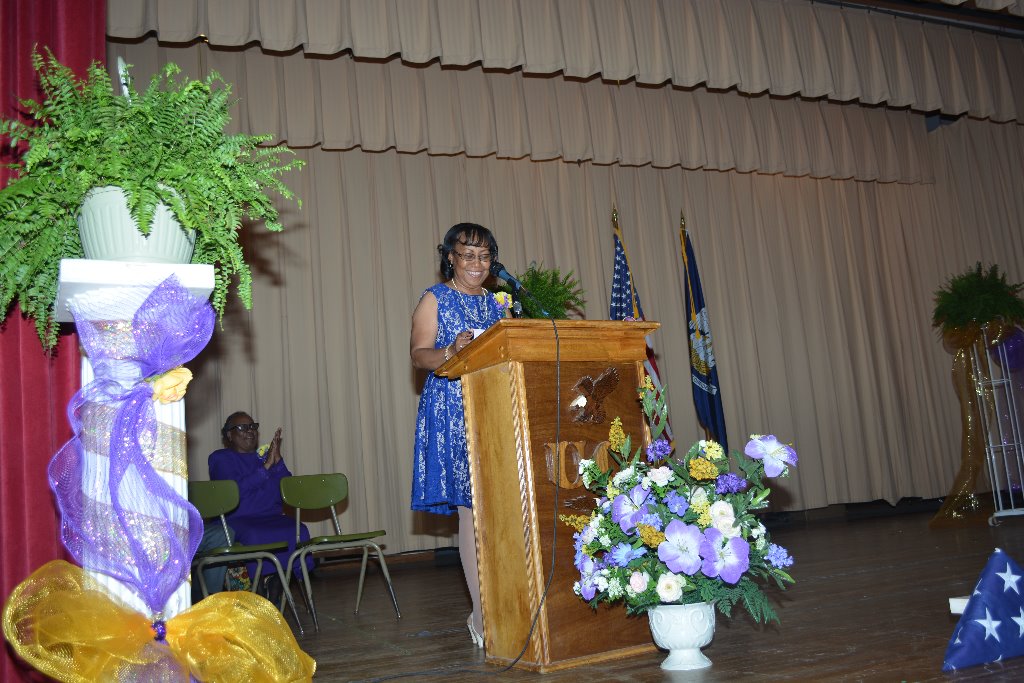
(35, 388)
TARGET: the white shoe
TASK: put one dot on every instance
(477, 637)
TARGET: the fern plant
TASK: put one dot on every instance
(977, 296)
(552, 292)
(165, 144)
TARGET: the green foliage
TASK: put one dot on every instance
(166, 144)
(977, 296)
(557, 293)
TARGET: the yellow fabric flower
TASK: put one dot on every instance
(616, 437)
(170, 386)
(651, 537)
(577, 522)
(702, 468)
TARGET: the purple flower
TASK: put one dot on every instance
(730, 483)
(652, 520)
(723, 556)
(677, 503)
(588, 572)
(658, 450)
(775, 455)
(778, 556)
(680, 551)
(628, 509)
(622, 554)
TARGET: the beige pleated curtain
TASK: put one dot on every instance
(821, 230)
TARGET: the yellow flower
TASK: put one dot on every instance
(713, 450)
(704, 519)
(701, 507)
(702, 468)
(170, 386)
(616, 437)
(612, 491)
(651, 537)
(577, 522)
(503, 299)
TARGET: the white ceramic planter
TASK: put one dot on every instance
(683, 630)
(109, 233)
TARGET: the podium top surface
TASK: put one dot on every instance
(534, 340)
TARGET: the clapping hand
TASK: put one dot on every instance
(274, 452)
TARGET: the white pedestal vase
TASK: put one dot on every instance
(683, 630)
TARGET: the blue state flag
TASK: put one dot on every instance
(992, 625)
(707, 397)
(625, 303)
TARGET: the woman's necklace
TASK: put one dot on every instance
(479, 320)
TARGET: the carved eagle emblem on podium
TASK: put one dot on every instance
(588, 406)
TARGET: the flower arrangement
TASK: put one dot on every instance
(680, 530)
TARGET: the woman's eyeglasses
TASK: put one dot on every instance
(485, 257)
(242, 428)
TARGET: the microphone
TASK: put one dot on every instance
(499, 271)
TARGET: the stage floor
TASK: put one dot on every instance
(871, 603)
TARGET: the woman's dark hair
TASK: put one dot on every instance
(227, 422)
(468, 235)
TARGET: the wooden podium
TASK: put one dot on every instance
(519, 388)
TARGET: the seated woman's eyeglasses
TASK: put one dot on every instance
(251, 427)
(485, 257)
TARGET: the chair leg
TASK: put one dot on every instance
(309, 591)
(202, 582)
(362, 577)
(387, 579)
(287, 595)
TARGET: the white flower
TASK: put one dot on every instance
(661, 475)
(670, 587)
(758, 531)
(723, 518)
(606, 541)
(588, 534)
(576, 588)
(698, 497)
(622, 478)
(585, 464)
(601, 581)
(615, 589)
(761, 543)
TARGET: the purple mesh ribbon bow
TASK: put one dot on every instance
(119, 517)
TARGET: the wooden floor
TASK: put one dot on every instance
(870, 604)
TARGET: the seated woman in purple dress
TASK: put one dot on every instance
(258, 517)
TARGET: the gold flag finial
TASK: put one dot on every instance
(682, 221)
(615, 217)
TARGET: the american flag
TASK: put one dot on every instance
(625, 303)
(992, 625)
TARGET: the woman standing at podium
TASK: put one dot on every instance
(445, 320)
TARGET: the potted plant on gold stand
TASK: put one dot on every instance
(974, 311)
(162, 154)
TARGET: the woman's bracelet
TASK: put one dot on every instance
(448, 353)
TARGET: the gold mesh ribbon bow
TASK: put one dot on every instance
(62, 623)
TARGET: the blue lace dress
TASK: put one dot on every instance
(440, 479)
